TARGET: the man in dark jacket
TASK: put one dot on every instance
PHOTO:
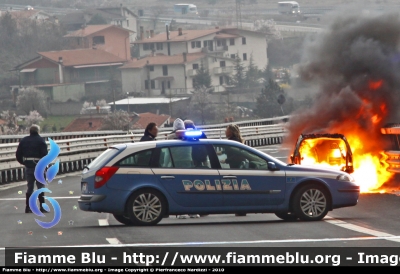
(150, 133)
(30, 150)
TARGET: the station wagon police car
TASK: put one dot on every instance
(141, 183)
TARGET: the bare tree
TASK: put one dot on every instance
(34, 117)
(118, 120)
(202, 104)
(32, 99)
(11, 125)
(85, 107)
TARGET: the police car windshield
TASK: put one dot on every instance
(103, 158)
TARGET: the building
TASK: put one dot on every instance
(154, 105)
(148, 117)
(110, 38)
(65, 75)
(119, 16)
(224, 42)
(169, 61)
(97, 51)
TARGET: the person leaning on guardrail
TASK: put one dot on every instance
(30, 150)
(150, 133)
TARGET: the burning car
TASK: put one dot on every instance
(329, 150)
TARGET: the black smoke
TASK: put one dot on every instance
(356, 63)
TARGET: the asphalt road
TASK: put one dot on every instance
(374, 222)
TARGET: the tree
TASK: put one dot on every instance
(97, 19)
(267, 74)
(32, 99)
(239, 78)
(34, 117)
(252, 74)
(118, 120)
(85, 107)
(202, 78)
(267, 103)
(202, 104)
(11, 125)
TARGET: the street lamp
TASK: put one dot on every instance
(127, 94)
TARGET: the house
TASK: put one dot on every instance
(154, 105)
(221, 42)
(110, 38)
(65, 75)
(173, 75)
(148, 117)
(68, 74)
(119, 16)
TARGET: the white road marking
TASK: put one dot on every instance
(366, 238)
(103, 222)
(23, 199)
(113, 241)
(360, 229)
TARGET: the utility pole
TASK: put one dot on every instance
(239, 13)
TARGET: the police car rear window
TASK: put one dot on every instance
(103, 158)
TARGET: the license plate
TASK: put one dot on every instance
(84, 187)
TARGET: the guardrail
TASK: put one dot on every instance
(75, 153)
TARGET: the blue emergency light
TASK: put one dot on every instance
(193, 133)
(189, 134)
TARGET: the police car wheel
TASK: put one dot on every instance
(287, 216)
(123, 219)
(311, 202)
(146, 207)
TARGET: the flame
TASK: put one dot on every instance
(369, 169)
(374, 85)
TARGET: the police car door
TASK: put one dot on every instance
(186, 172)
(246, 179)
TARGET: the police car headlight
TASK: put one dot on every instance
(345, 178)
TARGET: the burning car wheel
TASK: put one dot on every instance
(146, 207)
(311, 203)
(287, 216)
(123, 219)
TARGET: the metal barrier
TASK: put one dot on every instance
(78, 152)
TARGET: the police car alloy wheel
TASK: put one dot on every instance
(311, 202)
(287, 216)
(146, 207)
(123, 219)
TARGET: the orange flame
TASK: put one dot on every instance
(374, 85)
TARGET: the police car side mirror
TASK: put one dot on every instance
(272, 166)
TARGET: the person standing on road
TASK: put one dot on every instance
(150, 133)
(30, 150)
(233, 158)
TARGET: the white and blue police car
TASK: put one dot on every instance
(141, 183)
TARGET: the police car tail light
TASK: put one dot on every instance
(103, 175)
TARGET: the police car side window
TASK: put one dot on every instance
(189, 156)
(232, 157)
(138, 159)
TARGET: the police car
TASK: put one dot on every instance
(141, 183)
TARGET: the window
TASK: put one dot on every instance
(232, 41)
(233, 56)
(151, 46)
(98, 40)
(195, 66)
(153, 84)
(227, 80)
(139, 159)
(218, 43)
(169, 84)
(224, 42)
(244, 56)
(205, 43)
(151, 68)
(165, 70)
(145, 46)
(146, 84)
(243, 40)
(193, 82)
(198, 44)
(222, 64)
(232, 157)
(221, 80)
(188, 156)
(159, 46)
(193, 44)
(127, 23)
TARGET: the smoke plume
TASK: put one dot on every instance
(356, 63)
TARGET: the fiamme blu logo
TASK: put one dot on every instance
(45, 174)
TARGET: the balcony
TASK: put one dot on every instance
(223, 70)
(192, 72)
